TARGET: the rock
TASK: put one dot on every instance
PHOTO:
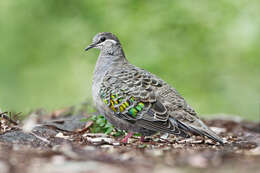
(100, 140)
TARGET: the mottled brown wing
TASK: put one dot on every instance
(131, 94)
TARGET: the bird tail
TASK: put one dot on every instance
(202, 130)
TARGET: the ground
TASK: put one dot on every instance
(62, 142)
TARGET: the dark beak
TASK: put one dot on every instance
(90, 46)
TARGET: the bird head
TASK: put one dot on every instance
(105, 41)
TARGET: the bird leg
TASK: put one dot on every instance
(142, 139)
(129, 135)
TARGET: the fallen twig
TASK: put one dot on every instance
(9, 118)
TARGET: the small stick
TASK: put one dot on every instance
(4, 116)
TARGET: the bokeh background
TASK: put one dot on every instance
(208, 50)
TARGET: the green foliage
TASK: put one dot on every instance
(208, 50)
(100, 124)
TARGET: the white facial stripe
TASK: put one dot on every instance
(113, 41)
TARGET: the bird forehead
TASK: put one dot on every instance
(96, 38)
(107, 35)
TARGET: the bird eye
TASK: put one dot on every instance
(102, 39)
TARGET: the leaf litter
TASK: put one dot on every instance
(65, 141)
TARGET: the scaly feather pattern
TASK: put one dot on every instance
(137, 101)
(132, 94)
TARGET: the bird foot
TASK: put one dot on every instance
(143, 139)
(129, 135)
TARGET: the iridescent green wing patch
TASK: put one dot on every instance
(121, 105)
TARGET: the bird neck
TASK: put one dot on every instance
(106, 63)
(113, 50)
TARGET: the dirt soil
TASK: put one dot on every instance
(62, 143)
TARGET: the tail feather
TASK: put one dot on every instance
(209, 133)
(203, 131)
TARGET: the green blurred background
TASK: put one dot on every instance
(208, 50)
